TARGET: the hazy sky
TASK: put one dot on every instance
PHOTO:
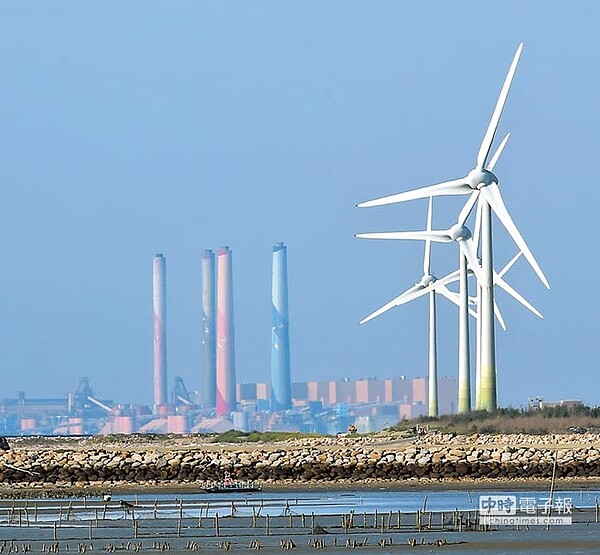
(131, 128)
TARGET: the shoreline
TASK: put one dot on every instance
(18, 491)
(386, 462)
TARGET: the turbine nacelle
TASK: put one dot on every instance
(479, 177)
(459, 232)
(426, 280)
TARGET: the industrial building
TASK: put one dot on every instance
(221, 403)
(317, 406)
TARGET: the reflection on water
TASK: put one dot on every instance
(382, 522)
(320, 502)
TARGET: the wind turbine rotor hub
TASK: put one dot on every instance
(460, 232)
(479, 178)
(426, 280)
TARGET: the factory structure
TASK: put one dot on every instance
(222, 403)
(326, 407)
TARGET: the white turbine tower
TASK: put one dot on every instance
(481, 181)
(498, 279)
(464, 382)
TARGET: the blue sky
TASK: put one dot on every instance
(130, 128)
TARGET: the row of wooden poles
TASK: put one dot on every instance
(377, 522)
(421, 520)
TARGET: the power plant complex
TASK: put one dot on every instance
(221, 402)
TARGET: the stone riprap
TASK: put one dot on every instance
(354, 460)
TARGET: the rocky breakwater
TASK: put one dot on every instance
(326, 461)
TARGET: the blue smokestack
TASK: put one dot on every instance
(209, 342)
(281, 381)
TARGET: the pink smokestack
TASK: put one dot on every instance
(226, 401)
(159, 301)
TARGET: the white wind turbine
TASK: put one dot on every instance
(484, 183)
(429, 284)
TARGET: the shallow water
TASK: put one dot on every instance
(341, 501)
(383, 522)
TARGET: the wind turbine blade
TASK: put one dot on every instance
(467, 208)
(499, 281)
(451, 296)
(437, 236)
(450, 278)
(497, 154)
(468, 249)
(410, 294)
(492, 195)
(454, 187)
(510, 264)
(499, 316)
(427, 255)
(378, 312)
(490, 133)
(477, 227)
(427, 258)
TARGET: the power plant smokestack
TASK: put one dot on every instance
(159, 301)
(209, 341)
(226, 400)
(281, 381)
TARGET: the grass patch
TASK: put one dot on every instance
(549, 420)
(235, 436)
